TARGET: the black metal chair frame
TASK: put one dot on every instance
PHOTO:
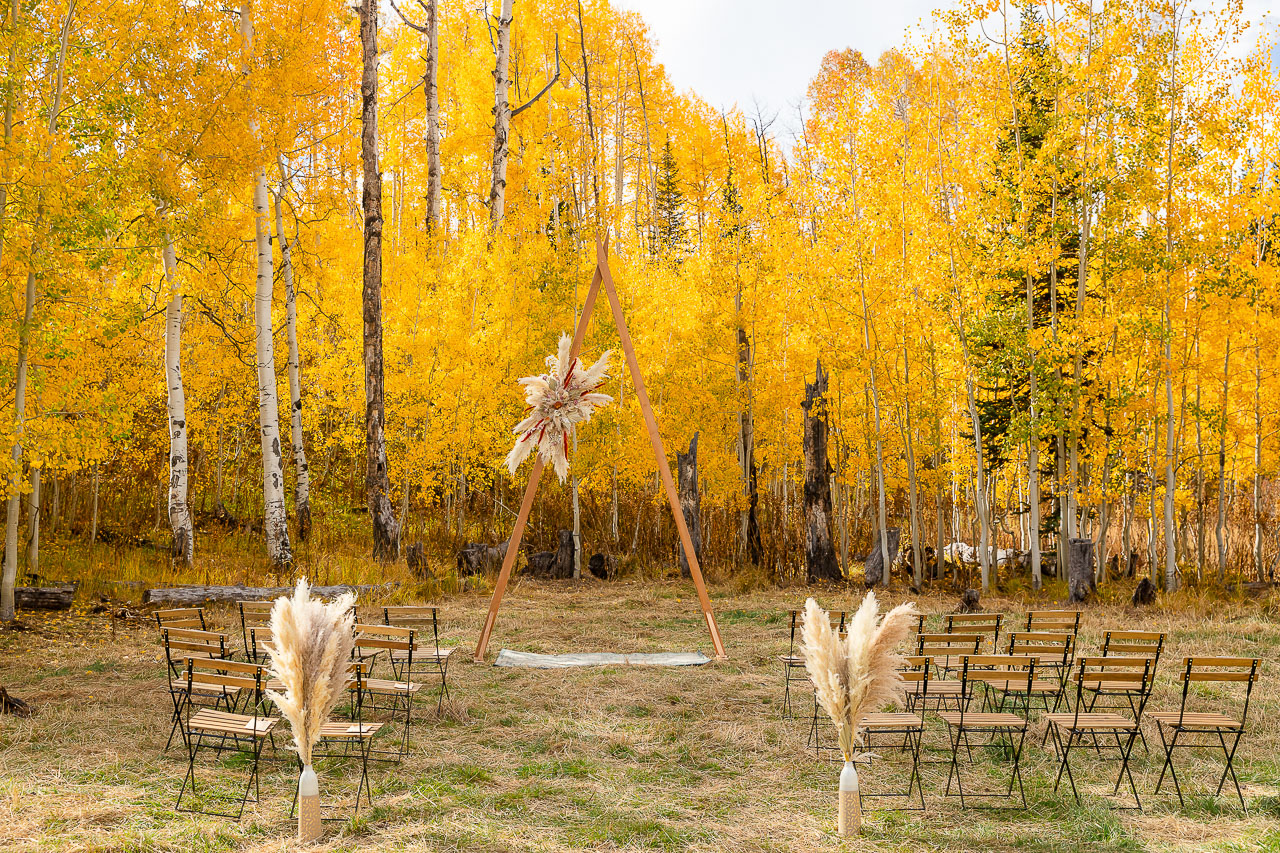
(195, 739)
(1126, 644)
(1198, 670)
(1077, 733)
(393, 701)
(972, 669)
(181, 640)
(403, 669)
(912, 740)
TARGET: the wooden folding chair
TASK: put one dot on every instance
(793, 668)
(999, 725)
(260, 643)
(986, 625)
(1072, 728)
(1053, 664)
(1187, 725)
(433, 659)
(392, 696)
(903, 730)
(1110, 695)
(1053, 622)
(254, 614)
(219, 730)
(946, 650)
(180, 646)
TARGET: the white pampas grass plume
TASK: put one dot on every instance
(310, 656)
(558, 401)
(855, 676)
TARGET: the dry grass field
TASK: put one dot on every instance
(609, 758)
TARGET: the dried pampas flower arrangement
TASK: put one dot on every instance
(855, 676)
(557, 402)
(310, 656)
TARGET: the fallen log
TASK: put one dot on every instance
(44, 597)
(195, 595)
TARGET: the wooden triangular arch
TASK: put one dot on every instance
(604, 277)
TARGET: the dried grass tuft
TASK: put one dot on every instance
(856, 676)
(312, 643)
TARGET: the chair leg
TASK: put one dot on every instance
(1065, 765)
(1169, 746)
(1230, 769)
(1124, 767)
(954, 770)
(1017, 766)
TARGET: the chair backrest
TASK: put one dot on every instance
(1011, 672)
(388, 637)
(948, 645)
(1132, 674)
(226, 673)
(1048, 648)
(1054, 621)
(183, 644)
(253, 613)
(1223, 670)
(417, 616)
(1134, 644)
(986, 624)
(182, 617)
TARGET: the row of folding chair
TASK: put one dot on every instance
(243, 726)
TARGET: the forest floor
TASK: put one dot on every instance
(612, 758)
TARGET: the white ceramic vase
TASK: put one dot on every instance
(850, 805)
(309, 825)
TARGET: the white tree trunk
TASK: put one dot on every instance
(275, 519)
(1222, 467)
(33, 523)
(433, 119)
(9, 577)
(179, 510)
(501, 117)
(302, 474)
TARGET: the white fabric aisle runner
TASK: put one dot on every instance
(531, 660)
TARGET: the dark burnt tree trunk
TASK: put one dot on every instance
(819, 550)
(386, 530)
(690, 502)
(1080, 577)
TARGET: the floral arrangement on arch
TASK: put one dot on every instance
(557, 401)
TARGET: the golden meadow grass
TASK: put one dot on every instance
(693, 759)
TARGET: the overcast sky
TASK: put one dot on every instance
(739, 51)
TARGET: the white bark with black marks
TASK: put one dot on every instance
(179, 511)
(275, 521)
(302, 474)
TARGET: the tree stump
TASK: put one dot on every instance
(416, 557)
(477, 558)
(875, 569)
(557, 564)
(1080, 577)
(690, 502)
(603, 566)
(969, 602)
(819, 551)
(1145, 593)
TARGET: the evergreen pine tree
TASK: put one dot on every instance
(672, 239)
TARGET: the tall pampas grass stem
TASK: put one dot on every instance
(310, 656)
(855, 676)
